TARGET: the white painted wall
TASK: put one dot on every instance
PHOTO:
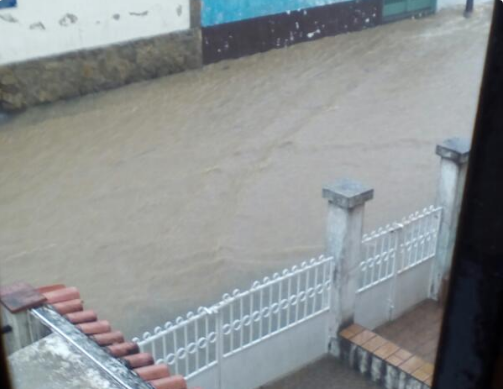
(449, 3)
(39, 28)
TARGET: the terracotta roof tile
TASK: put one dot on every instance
(66, 300)
(50, 288)
(174, 382)
(138, 360)
(108, 338)
(122, 349)
(82, 316)
(69, 306)
(153, 372)
(95, 327)
(61, 295)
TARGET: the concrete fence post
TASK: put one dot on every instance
(18, 330)
(454, 153)
(346, 204)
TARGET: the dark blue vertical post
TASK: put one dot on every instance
(468, 8)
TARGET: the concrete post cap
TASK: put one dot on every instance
(454, 149)
(346, 193)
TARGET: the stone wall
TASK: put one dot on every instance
(49, 79)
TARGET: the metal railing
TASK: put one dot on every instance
(188, 345)
(213, 344)
(398, 247)
(275, 304)
(199, 342)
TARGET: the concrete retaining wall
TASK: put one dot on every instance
(65, 76)
(58, 49)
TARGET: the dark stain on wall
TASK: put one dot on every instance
(68, 19)
(144, 13)
(37, 26)
(246, 37)
(8, 18)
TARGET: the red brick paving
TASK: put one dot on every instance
(416, 331)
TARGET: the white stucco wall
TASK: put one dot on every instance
(39, 28)
(449, 3)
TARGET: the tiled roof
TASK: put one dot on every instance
(67, 302)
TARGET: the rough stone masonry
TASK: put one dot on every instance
(46, 80)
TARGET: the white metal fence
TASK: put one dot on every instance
(281, 323)
(277, 326)
(395, 269)
(188, 346)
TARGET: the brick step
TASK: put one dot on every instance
(382, 361)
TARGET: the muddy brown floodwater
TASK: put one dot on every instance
(156, 198)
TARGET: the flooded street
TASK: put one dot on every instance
(158, 197)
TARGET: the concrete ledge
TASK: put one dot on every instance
(455, 149)
(75, 74)
(90, 350)
(382, 361)
(53, 363)
(347, 193)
